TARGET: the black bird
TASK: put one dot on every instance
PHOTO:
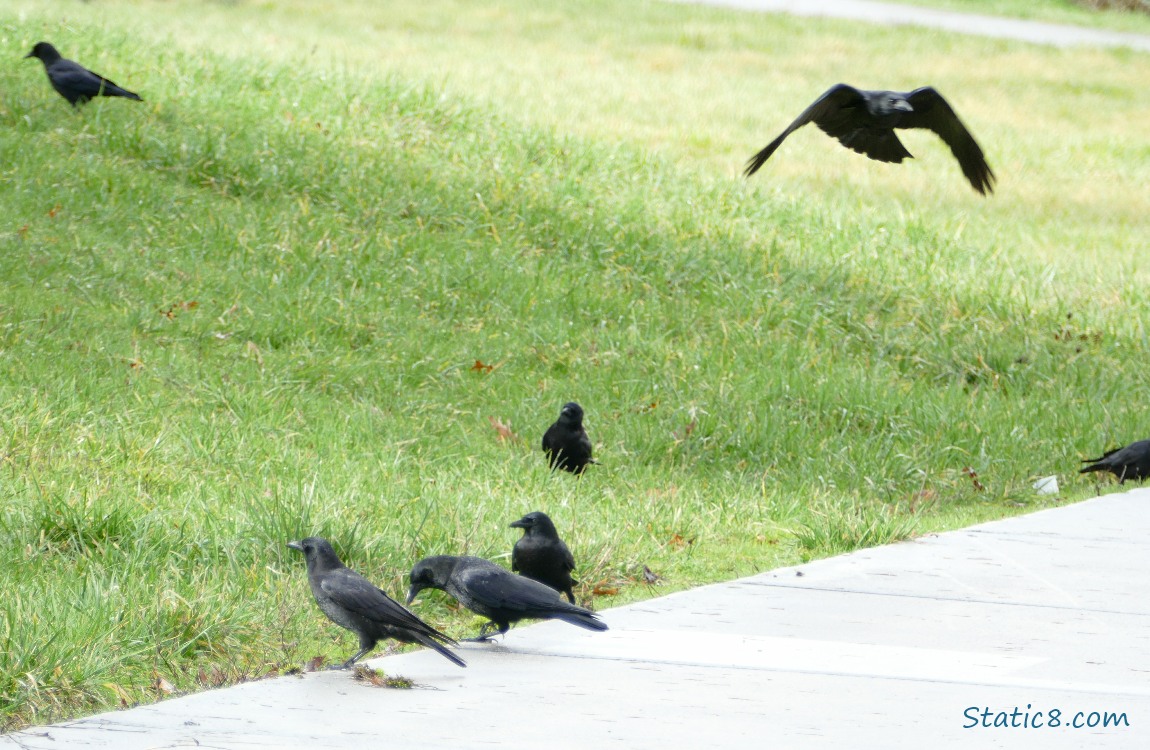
(542, 556)
(864, 121)
(566, 443)
(73, 81)
(494, 592)
(353, 602)
(1131, 462)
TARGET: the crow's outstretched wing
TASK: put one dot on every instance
(933, 112)
(839, 112)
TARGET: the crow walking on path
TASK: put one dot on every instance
(494, 592)
(542, 556)
(864, 121)
(73, 81)
(353, 602)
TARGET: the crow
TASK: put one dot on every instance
(542, 556)
(864, 121)
(493, 592)
(73, 81)
(353, 602)
(1131, 462)
(566, 443)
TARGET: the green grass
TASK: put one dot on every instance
(250, 310)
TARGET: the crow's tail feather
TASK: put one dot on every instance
(584, 620)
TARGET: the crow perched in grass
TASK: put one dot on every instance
(493, 592)
(566, 443)
(541, 555)
(73, 81)
(864, 121)
(353, 602)
(1131, 462)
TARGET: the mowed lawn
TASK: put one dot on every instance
(340, 270)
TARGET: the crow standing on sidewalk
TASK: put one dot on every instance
(353, 602)
(494, 592)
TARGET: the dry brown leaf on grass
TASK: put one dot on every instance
(970, 472)
(686, 431)
(161, 685)
(503, 430)
(253, 351)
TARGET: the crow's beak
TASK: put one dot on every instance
(296, 545)
(413, 592)
(522, 523)
(30, 54)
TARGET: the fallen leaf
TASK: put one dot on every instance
(480, 367)
(604, 590)
(163, 686)
(970, 472)
(678, 540)
(54, 210)
(922, 497)
(253, 351)
(503, 430)
(313, 664)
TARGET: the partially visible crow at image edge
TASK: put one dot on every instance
(1131, 462)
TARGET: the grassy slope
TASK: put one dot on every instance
(248, 310)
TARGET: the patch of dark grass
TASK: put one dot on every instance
(378, 678)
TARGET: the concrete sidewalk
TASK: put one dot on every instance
(895, 14)
(891, 647)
